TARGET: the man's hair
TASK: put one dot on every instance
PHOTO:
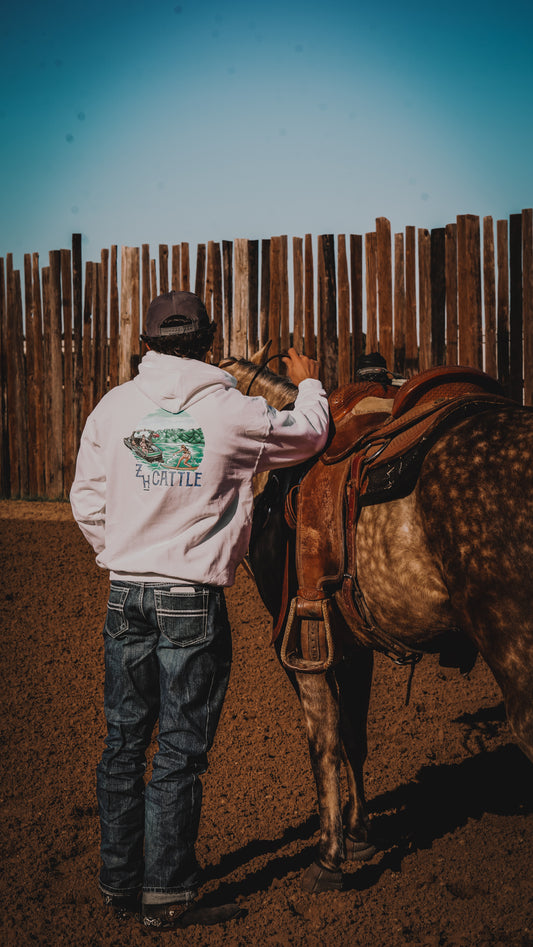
(189, 345)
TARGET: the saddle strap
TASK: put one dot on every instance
(365, 627)
(284, 596)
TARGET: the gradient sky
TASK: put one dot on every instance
(160, 122)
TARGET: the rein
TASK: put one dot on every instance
(260, 369)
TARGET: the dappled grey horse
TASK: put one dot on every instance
(450, 562)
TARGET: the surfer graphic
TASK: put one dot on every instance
(181, 458)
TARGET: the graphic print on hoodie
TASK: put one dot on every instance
(168, 442)
(178, 444)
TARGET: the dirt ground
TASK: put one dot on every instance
(450, 796)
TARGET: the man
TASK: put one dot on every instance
(172, 535)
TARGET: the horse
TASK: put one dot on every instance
(448, 564)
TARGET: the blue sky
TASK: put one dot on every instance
(161, 122)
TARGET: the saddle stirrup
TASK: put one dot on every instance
(308, 644)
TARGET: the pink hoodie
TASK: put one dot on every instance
(163, 485)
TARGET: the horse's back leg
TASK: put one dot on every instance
(319, 698)
(503, 631)
(518, 696)
(520, 719)
(354, 679)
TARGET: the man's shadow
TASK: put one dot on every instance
(438, 800)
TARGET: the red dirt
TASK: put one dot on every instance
(450, 796)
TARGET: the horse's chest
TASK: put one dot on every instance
(398, 575)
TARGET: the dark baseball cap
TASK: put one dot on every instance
(175, 314)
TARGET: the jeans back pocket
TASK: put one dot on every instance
(116, 622)
(182, 614)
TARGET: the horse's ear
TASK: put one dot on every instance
(262, 355)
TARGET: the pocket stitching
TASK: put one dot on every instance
(118, 607)
(202, 612)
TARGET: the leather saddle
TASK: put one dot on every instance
(379, 437)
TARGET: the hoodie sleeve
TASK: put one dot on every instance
(298, 434)
(88, 492)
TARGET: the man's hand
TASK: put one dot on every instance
(300, 367)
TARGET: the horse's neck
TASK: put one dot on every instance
(276, 390)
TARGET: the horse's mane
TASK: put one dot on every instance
(278, 391)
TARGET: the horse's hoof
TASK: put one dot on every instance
(358, 851)
(316, 878)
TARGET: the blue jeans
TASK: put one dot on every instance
(167, 657)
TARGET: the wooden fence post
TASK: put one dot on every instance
(424, 299)
(69, 424)
(55, 370)
(227, 267)
(38, 347)
(33, 401)
(264, 294)
(77, 321)
(209, 277)
(218, 301)
(103, 292)
(438, 296)
(129, 313)
(309, 298)
(451, 295)
(45, 277)
(502, 315)
(469, 290)
(327, 321)
(185, 268)
(384, 271)
(153, 280)
(163, 268)
(399, 304)
(516, 349)
(372, 338)
(22, 403)
(527, 300)
(239, 338)
(298, 293)
(356, 275)
(113, 319)
(4, 428)
(274, 310)
(489, 297)
(284, 299)
(135, 356)
(175, 268)
(16, 407)
(98, 342)
(343, 301)
(253, 296)
(146, 279)
(199, 285)
(88, 347)
(411, 342)
(213, 297)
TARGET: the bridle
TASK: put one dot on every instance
(261, 367)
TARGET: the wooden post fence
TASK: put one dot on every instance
(459, 294)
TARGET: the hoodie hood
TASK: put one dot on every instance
(175, 384)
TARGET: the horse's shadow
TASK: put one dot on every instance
(437, 801)
(441, 799)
